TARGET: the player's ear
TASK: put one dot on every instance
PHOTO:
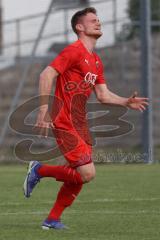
(79, 27)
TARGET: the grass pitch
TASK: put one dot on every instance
(122, 203)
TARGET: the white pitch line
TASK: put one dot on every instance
(22, 213)
(103, 200)
(85, 212)
(120, 200)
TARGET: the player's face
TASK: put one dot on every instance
(91, 25)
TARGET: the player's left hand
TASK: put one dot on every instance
(137, 103)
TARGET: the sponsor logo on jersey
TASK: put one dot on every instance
(90, 78)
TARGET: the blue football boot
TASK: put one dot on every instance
(55, 224)
(31, 179)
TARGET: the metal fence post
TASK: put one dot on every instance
(18, 37)
(146, 61)
(1, 30)
(66, 25)
(115, 18)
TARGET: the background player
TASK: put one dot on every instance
(78, 71)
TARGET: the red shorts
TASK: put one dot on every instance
(74, 148)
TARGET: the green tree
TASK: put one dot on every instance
(134, 15)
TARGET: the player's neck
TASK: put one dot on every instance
(89, 43)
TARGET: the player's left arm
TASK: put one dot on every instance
(104, 95)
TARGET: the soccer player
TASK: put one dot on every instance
(79, 71)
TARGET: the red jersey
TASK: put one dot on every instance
(79, 71)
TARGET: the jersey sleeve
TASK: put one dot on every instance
(65, 60)
(100, 78)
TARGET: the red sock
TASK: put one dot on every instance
(65, 198)
(61, 173)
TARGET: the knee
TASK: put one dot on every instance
(87, 172)
(87, 177)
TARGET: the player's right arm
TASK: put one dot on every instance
(46, 79)
(66, 59)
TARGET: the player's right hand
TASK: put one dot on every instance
(44, 122)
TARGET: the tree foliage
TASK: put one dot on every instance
(134, 14)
